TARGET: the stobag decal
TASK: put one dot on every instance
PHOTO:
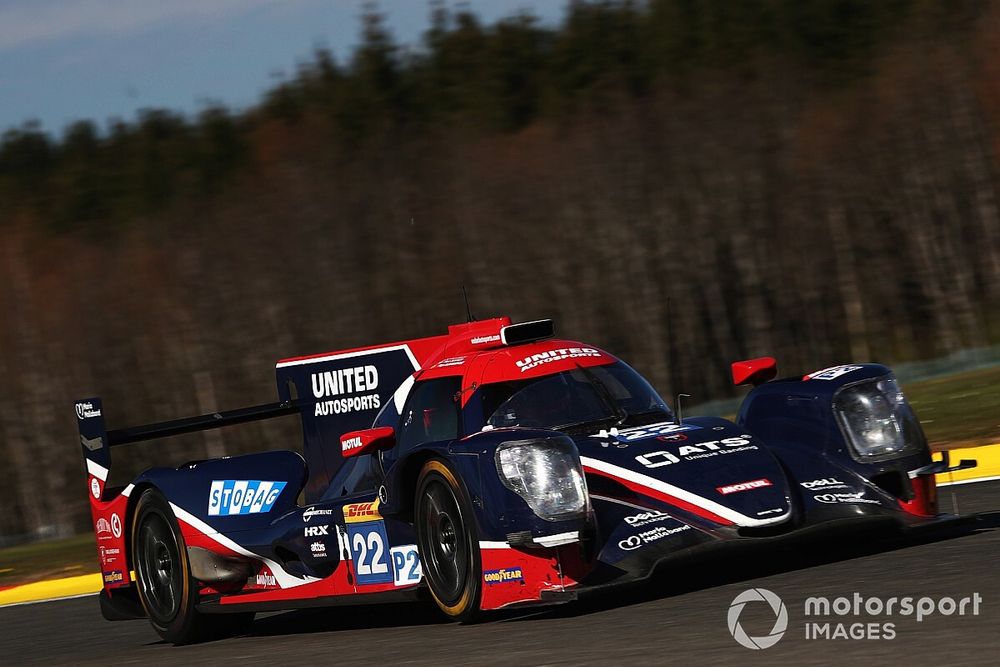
(743, 486)
(561, 354)
(700, 450)
(236, 497)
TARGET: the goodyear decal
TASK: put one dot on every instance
(504, 575)
(247, 496)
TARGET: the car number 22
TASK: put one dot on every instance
(368, 548)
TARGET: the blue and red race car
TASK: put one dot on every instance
(489, 467)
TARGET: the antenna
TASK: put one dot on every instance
(468, 311)
(680, 419)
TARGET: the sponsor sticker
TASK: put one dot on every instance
(349, 390)
(109, 555)
(831, 498)
(316, 531)
(560, 354)
(312, 511)
(826, 483)
(102, 526)
(700, 450)
(833, 372)
(318, 549)
(743, 486)
(360, 512)
(503, 575)
(483, 340)
(95, 487)
(86, 410)
(350, 444)
(263, 579)
(633, 542)
(116, 525)
(645, 518)
(113, 577)
(236, 497)
(656, 430)
(406, 569)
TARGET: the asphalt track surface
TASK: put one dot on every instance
(681, 617)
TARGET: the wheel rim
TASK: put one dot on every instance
(447, 549)
(158, 567)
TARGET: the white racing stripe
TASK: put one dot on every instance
(284, 579)
(681, 494)
(493, 545)
(349, 355)
(97, 470)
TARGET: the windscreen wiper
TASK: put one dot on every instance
(605, 395)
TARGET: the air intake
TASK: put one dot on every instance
(527, 332)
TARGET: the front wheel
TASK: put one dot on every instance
(163, 577)
(448, 542)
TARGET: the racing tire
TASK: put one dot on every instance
(448, 542)
(163, 578)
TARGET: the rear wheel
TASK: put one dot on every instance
(449, 545)
(163, 577)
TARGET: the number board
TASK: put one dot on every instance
(369, 543)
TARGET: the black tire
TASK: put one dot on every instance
(448, 542)
(163, 577)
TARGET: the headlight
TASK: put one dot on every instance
(547, 474)
(877, 420)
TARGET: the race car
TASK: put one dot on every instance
(490, 467)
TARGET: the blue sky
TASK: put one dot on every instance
(63, 60)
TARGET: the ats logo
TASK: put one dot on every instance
(361, 512)
(504, 575)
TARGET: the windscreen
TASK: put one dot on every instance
(577, 399)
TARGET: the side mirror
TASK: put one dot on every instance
(356, 443)
(754, 371)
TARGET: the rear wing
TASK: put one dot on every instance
(108, 510)
(96, 441)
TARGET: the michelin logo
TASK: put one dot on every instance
(231, 497)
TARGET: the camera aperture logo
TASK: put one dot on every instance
(780, 618)
(854, 617)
